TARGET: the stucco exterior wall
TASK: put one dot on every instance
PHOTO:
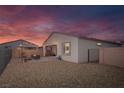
(84, 45)
(112, 56)
(109, 45)
(59, 39)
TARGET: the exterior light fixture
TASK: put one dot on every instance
(99, 44)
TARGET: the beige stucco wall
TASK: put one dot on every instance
(59, 39)
(112, 56)
(83, 47)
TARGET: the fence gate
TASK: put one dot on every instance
(93, 55)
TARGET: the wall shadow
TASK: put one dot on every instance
(5, 57)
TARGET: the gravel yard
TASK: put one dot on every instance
(61, 74)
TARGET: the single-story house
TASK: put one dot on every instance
(74, 49)
(22, 48)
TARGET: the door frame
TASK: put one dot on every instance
(89, 55)
(51, 46)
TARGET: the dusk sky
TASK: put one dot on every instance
(35, 23)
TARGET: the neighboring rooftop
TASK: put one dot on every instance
(93, 39)
(19, 40)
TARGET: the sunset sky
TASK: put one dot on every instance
(35, 23)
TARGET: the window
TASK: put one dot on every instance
(67, 48)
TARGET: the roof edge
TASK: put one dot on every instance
(19, 40)
(86, 38)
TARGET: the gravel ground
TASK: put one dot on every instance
(61, 74)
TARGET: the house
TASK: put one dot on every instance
(22, 48)
(74, 49)
(16, 43)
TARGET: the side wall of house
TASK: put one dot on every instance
(59, 39)
(84, 45)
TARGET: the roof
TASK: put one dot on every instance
(86, 38)
(19, 40)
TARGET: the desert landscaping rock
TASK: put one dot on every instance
(61, 74)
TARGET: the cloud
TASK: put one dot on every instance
(8, 11)
(35, 23)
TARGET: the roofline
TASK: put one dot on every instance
(93, 39)
(28, 42)
(19, 40)
(48, 38)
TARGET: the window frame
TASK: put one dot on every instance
(63, 48)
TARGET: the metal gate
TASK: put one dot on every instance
(93, 55)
